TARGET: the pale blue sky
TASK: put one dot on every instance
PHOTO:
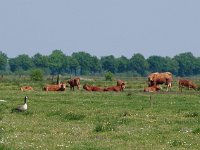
(100, 27)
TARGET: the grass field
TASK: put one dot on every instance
(80, 120)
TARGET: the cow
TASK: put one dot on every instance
(74, 82)
(186, 83)
(160, 78)
(55, 87)
(26, 88)
(153, 88)
(114, 88)
(121, 83)
(92, 88)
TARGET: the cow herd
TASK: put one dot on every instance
(154, 81)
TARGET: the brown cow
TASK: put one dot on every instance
(186, 83)
(56, 87)
(160, 78)
(26, 88)
(153, 88)
(92, 88)
(121, 83)
(114, 88)
(74, 82)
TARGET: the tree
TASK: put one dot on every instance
(197, 66)
(56, 60)
(122, 64)
(139, 64)
(85, 61)
(186, 62)
(73, 65)
(40, 61)
(95, 65)
(109, 63)
(3, 61)
(21, 62)
(157, 64)
(171, 65)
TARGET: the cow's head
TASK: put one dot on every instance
(157, 87)
(63, 86)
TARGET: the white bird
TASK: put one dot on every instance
(24, 106)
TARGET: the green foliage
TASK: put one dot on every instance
(138, 64)
(82, 63)
(3, 61)
(56, 61)
(21, 62)
(109, 63)
(108, 76)
(37, 75)
(186, 62)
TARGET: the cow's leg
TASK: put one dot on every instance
(181, 88)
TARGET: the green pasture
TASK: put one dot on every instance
(81, 120)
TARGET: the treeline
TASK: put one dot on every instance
(82, 63)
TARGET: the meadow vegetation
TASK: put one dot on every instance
(81, 120)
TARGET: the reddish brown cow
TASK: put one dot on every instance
(56, 87)
(186, 83)
(92, 88)
(74, 82)
(153, 88)
(26, 88)
(160, 78)
(121, 83)
(114, 88)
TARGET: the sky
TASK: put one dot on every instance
(100, 27)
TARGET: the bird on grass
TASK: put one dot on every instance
(22, 107)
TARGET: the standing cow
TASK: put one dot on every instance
(186, 83)
(160, 78)
(74, 82)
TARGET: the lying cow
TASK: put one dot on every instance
(91, 88)
(114, 88)
(121, 83)
(74, 82)
(153, 88)
(160, 78)
(186, 83)
(26, 88)
(56, 87)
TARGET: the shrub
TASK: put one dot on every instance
(109, 76)
(37, 75)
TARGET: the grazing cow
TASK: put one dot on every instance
(26, 88)
(186, 83)
(114, 88)
(92, 88)
(74, 82)
(153, 88)
(160, 78)
(56, 87)
(121, 83)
